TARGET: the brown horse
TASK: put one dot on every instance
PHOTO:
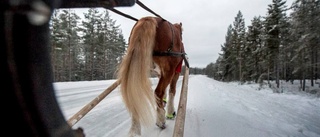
(154, 43)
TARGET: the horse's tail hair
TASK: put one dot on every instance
(134, 72)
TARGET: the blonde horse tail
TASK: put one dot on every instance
(134, 72)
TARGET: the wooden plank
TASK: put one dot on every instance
(80, 114)
(180, 119)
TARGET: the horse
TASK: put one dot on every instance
(154, 43)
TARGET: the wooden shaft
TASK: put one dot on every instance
(80, 114)
(181, 115)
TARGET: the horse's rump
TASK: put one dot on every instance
(152, 40)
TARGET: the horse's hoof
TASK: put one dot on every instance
(162, 126)
(171, 116)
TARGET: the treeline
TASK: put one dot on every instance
(278, 46)
(85, 49)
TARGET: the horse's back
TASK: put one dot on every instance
(168, 37)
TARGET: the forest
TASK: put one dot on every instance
(85, 49)
(283, 45)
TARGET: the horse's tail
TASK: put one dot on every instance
(134, 72)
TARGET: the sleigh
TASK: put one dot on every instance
(27, 69)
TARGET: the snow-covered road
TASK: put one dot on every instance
(214, 109)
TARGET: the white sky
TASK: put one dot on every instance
(214, 109)
(205, 22)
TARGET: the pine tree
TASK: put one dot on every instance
(306, 31)
(116, 45)
(239, 39)
(65, 39)
(90, 32)
(54, 40)
(104, 45)
(254, 49)
(227, 58)
(273, 25)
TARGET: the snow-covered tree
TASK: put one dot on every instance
(253, 50)
(238, 44)
(306, 34)
(65, 44)
(273, 24)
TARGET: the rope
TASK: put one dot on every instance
(132, 18)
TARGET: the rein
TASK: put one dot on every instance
(133, 18)
(169, 51)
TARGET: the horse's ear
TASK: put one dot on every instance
(181, 26)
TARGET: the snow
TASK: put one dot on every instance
(213, 109)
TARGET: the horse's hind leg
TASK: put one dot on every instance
(135, 129)
(172, 92)
(160, 93)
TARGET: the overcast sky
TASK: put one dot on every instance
(204, 22)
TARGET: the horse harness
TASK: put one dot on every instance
(169, 51)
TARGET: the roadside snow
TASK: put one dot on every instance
(213, 109)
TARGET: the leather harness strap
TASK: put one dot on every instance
(169, 51)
